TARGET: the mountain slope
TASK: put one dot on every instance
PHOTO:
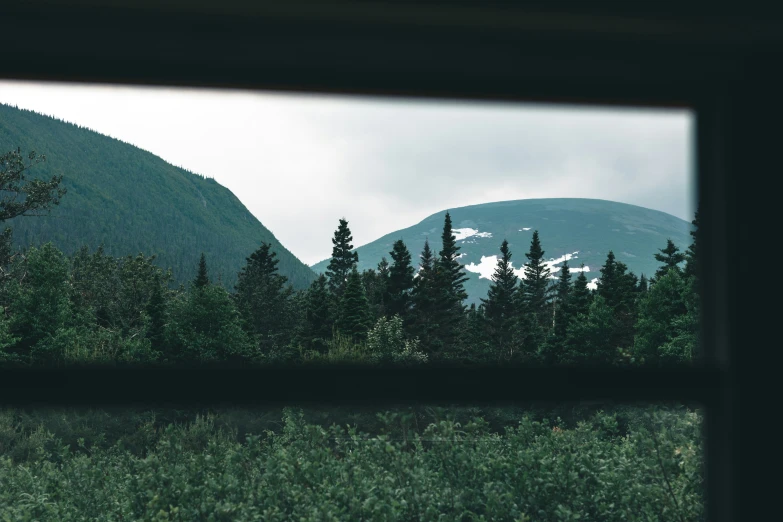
(581, 230)
(132, 201)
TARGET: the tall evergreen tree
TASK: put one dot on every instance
(202, 277)
(671, 257)
(425, 301)
(563, 302)
(400, 283)
(500, 304)
(449, 280)
(156, 311)
(580, 295)
(375, 290)
(262, 298)
(553, 348)
(659, 311)
(536, 283)
(319, 318)
(642, 288)
(354, 318)
(588, 339)
(383, 276)
(344, 259)
(691, 255)
(617, 287)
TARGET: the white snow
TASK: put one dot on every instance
(486, 267)
(593, 285)
(462, 234)
(523, 229)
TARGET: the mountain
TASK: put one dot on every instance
(580, 230)
(132, 201)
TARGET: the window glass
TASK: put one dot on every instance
(186, 225)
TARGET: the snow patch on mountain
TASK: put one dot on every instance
(486, 267)
(461, 234)
(524, 229)
(593, 285)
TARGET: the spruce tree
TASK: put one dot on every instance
(580, 295)
(375, 290)
(425, 301)
(691, 255)
(202, 277)
(318, 315)
(449, 280)
(642, 288)
(354, 317)
(500, 304)
(660, 310)
(383, 276)
(536, 283)
(671, 257)
(156, 311)
(400, 283)
(617, 287)
(589, 340)
(563, 304)
(262, 298)
(343, 259)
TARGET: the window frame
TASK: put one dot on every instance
(609, 59)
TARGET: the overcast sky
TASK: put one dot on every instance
(300, 162)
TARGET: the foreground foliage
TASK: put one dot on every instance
(648, 469)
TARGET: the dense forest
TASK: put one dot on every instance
(129, 201)
(420, 463)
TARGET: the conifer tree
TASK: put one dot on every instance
(580, 295)
(449, 280)
(262, 298)
(318, 315)
(156, 311)
(425, 301)
(400, 283)
(642, 288)
(383, 276)
(500, 304)
(617, 287)
(691, 255)
(375, 290)
(563, 302)
(552, 349)
(536, 283)
(671, 257)
(589, 340)
(344, 259)
(659, 311)
(354, 318)
(474, 346)
(202, 277)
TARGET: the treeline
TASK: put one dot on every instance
(94, 307)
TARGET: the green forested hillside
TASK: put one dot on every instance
(132, 201)
(580, 230)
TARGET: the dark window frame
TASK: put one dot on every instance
(627, 56)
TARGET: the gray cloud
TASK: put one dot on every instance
(301, 162)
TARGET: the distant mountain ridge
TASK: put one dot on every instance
(573, 229)
(132, 201)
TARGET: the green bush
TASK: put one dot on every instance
(206, 470)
